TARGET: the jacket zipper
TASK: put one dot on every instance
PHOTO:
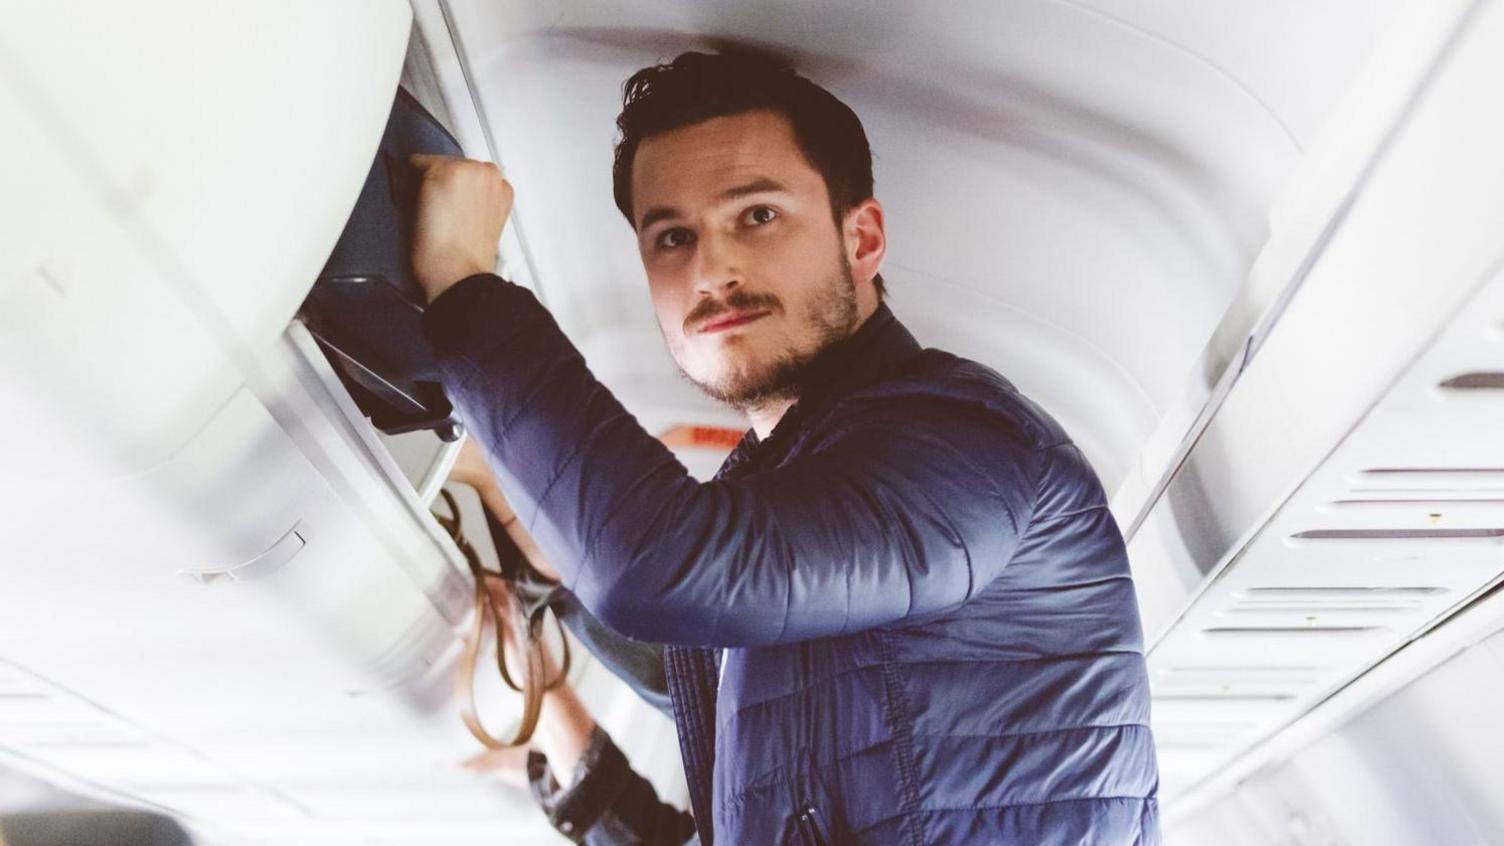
(809, 826)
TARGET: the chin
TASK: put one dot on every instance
(728, 381)
(722, 360)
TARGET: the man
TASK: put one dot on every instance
(902, 612)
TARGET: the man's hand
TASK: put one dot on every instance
(462, 207)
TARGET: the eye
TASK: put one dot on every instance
(759, 215)
(670, 239)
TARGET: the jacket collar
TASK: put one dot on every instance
(877, 349)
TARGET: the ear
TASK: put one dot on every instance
(865, 240)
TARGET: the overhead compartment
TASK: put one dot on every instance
(166, 209)
(104, 368)
(232, 142)
(227, 595)
(213, 566)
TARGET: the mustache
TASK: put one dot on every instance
(735, 301)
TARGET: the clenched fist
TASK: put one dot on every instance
(462, 207)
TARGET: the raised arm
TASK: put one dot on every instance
(908, 508)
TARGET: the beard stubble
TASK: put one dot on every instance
(831, 313)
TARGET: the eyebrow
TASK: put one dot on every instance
(756, 186)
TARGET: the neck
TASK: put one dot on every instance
(766, 416)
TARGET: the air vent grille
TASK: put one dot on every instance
(1408, 537)
(1320, 610)
(1241, 671)
(1397, 534)
(1255, 632)
(1323, 604)
(1218, 696)
(1430, 507)
(1461, 480)
(1346, 591)
(1480, 381)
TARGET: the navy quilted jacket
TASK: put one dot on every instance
(930, 626)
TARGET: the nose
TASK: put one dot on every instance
(718, 269)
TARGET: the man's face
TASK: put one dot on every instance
(747, 268)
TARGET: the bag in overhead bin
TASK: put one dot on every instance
(365, 308)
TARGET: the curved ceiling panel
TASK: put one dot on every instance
(1082, 189)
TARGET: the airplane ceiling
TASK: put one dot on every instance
(1076, 193)
(1075, 190)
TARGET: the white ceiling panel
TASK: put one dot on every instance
(1074, 195)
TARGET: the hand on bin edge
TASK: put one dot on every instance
(463, 206)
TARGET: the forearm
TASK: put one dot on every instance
(563, 732)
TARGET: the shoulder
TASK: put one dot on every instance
(941, 388)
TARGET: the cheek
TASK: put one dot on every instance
(792, 270)
(797, 256)
(669, 303)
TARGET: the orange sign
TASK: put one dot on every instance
(701, 437)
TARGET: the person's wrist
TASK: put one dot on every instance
(435, 281)
(564, 731)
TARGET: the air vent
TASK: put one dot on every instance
(1461, 480)
(1396, 534)
(1481, 381)
(1320, 605)
(1431, 508)
(1344, 591)
(1283, 632)
(1384, 537)
(1314, 611)
(1241, 671)
(1243, 684)
(1223, 697)
(1346, 602)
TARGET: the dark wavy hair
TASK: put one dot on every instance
(696, 87)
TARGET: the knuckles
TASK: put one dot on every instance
(463, 172)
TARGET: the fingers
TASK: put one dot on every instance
(473, 174)
(428, 162)
(423, 161)
(462, 207)
(510, 765)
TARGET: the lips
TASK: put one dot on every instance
(730, 321)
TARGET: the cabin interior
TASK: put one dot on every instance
(1248, 255)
